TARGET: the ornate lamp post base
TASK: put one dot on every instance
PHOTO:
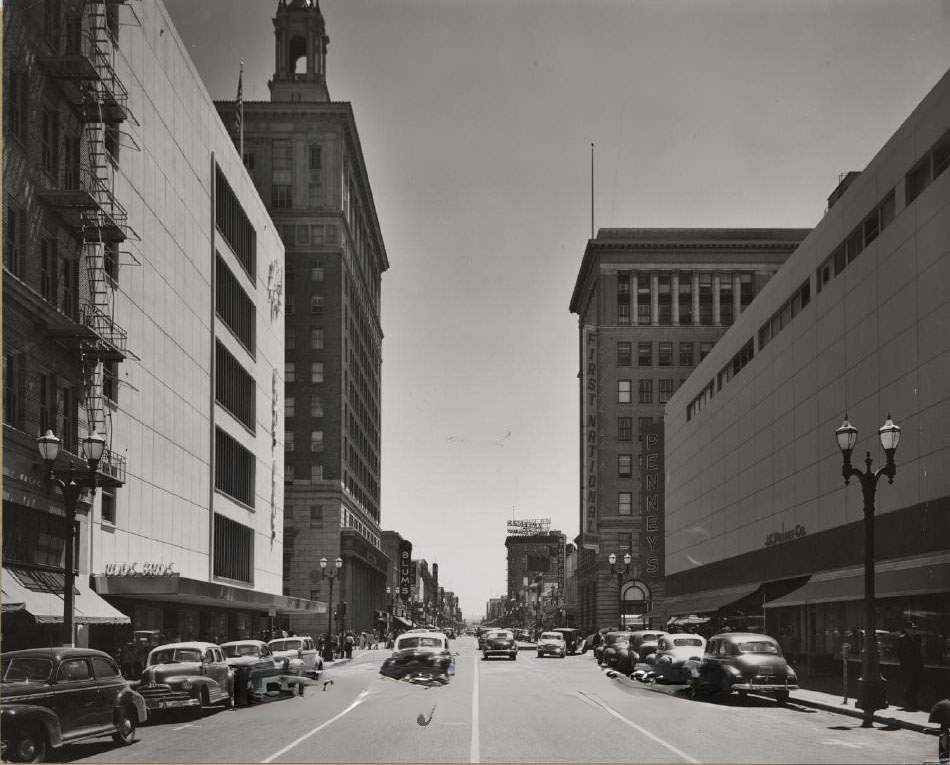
(872, 694)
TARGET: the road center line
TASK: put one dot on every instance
(644, 731)
(359, 700)
(473, 754)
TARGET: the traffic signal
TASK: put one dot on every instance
(342, 608)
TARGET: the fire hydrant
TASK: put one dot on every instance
(940, 714)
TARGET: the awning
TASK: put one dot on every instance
(398, 620)
(40, 594)
(890, 580)
(706, 602)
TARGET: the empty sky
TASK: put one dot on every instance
(476, 119)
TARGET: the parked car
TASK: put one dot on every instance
(747, 661)
(616, 651)
(499, 643)
(573, 639)
(643, 644)
(258, 672)
(552, 644)
(57, 696)
(420, 656)
(676, 655)
(301, 652)
(191, 675)
(523, 636)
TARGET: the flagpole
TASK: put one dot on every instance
(592, 191)
(240, 115)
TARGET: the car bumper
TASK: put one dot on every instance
(764, 687)
(500, 651)
(552, 650)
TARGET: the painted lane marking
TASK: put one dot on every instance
(609, 710)
(359, 700)
(473, 754)
(839, 742)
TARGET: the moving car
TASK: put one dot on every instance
(57, 696)
(420, 656)
(747, 661)
(616, 651)
(552, 644)
(499, 643)
(677, 657)
(257, 671)
(301, 652)
(191, 675)
(573, 639)
(643, 644)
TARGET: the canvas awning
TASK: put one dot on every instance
(40, 594)
(706, 602)
(398, 620)
(890, 580)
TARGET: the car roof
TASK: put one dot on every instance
(190, 644)
(744, 636)
(290, 637)
(244, 642)
(56, 652)
(422, 633)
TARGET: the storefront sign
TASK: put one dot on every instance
(651, 548)
(406, 572)
(137, 568)
(777, 537)
(528, 527)
(589, 425)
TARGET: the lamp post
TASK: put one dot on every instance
(330, 574)
(871, 686)
(620, 573)
(93, 447)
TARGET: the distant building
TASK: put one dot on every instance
(142, 301)
(303, 152)
(651, 304)
(759, 522)
(536, 576)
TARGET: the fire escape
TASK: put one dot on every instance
(85, 66)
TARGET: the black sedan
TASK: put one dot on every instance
(420, 657)
(499, 643)
(747, 661)
(57, 696)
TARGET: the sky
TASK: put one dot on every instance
(476, 119)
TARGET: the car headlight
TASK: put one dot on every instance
(792, 676)
(186, 684)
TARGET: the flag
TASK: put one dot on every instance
(239, 111)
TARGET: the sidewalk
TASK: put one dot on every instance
(895, 716)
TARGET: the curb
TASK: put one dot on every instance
(857, 713)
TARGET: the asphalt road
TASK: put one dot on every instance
(523, 711)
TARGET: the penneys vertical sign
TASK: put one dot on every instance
(589, 450)
(653, 491)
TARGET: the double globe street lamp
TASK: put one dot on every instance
(620, 573)
(871, 686)
(330, 574)
(72, 486)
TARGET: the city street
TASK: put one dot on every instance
(527, 710)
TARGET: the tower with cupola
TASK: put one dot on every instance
(301, 53)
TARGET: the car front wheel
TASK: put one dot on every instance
(28, 745)
(725, 685)
(125, 727)
(781, 697)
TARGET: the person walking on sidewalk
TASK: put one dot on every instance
(912, 663)
(348, 645)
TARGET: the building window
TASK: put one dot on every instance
(316, 305)
(316, 441)
(233, 468)
(302, 237)
(49, 142)
(624, 392)
(46, 394)
(108, 504)
(111, 141)
(646, 391)
(233, 305)
(624, 428)
(233, 550)
(686, 297)
(725, 299)
(316, 338)
(290, 406)
(13, 237)
(623, 298)
(316, 406)
(281, 196)
(316, 157)
(624, 465)
(666, 390)
(290, 340)
(290, 372)
(232, 222)
(70, 431)
(645, 354)
(17, 90)
(316, 372)
(49, 267)
(686, 354)
(704, 349)
(644, 423)
(316, 474)
(234, 387)
(110, 380)
(110, 261)
(746, 289)
(288, 472)
(12, 389)
(624, 354)
(249, 162)
(665, 354)
(283, 155)
(291, 304)
(625, 542)
(664, 298)
(705, 299)
(289, 440)
(624, 503)
(316, 273)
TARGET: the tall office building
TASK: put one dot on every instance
(303, 152)
(138, 303)
(651, 304)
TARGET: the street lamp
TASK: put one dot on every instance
(93, 447)
(330, 574)
(871, 686)
(620, 573)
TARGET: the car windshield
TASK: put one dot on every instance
(759, 646)
(21, 669)
(174, 655)
(418, 641)
(649, 638)
(687, 641)
(233, 651)
(618, 639)
(551, 636)
(285, 645)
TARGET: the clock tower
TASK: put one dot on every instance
(301, 53)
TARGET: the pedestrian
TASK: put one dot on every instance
(348, 645)
(912, 663)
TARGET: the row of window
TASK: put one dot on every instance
(295, 235)
(233, 550)
(232, 222)
(316, 472)
(625, 427)
(786, 312)
(316, 372)
(645, 391)
(351, 521)
(854, 243)
(678, 303)
(234, 386)
(233, 305)
(316, 439)
(234, 468)
(664, 357)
